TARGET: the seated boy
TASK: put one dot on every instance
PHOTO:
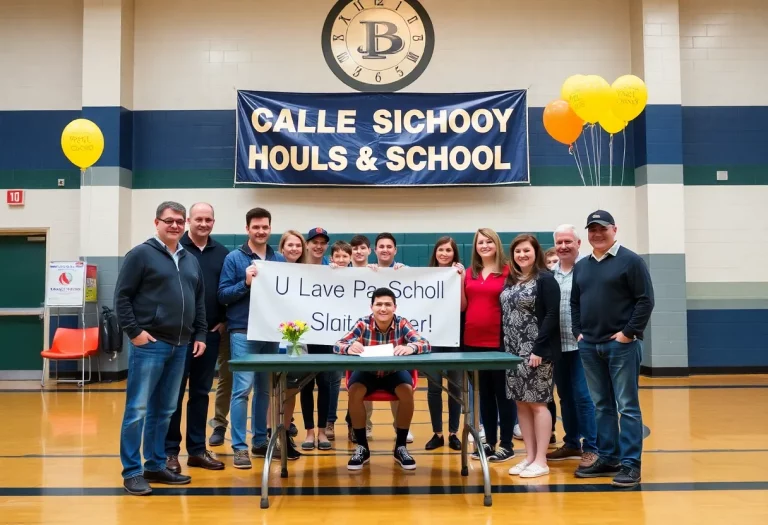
(382, 327)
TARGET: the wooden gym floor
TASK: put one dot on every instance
(705, 461)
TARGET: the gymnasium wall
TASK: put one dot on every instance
(171, 130)
(724, 64)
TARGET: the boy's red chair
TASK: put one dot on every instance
(383, 395)
(73, 344)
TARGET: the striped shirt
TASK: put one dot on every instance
(366, 332)
(565, 280)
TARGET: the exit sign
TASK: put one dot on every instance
(14, 197)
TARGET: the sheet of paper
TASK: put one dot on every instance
(378, 351)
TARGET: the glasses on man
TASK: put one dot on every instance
(170, 222)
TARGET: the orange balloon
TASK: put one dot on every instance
(562, 123)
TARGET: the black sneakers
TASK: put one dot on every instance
(166, 477)
(627, 478)
(435, 442)
(501, 455)
(404, 458)
(454, 443)
(292, 453)
(489, 451)
(361, 456)
(599, 469)
(137, 486)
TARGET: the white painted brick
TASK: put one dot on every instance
(694, 54)
(41, 44)
(686, 42)
(693, 30)
(237, 56)
(550, 40)
(652, 30)
(706, 41)
(670, 30)
(735, 63)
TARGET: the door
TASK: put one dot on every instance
(21, 299)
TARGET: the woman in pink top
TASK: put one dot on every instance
(483, 285)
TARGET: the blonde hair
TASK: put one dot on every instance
(294, 233)
(477, 262)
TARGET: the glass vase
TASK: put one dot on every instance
(294, 349)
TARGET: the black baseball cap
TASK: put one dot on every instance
(600, 217)
(317, 232)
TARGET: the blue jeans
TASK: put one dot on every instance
(613, 372)
(154, 378)
(200, 372)
(576, 406)
(242, 383)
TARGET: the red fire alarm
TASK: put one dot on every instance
(14, 197)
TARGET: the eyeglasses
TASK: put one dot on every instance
(169, 222)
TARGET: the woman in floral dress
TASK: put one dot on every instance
(530, 306)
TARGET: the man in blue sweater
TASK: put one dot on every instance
(235, 292)
(611, 303)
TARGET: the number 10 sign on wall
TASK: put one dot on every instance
(14, 197)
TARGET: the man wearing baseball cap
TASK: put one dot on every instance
(611, 303)
(328, 383)
(317, 244)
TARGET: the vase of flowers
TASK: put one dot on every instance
(292, 332)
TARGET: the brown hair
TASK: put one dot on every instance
(539, 264)
(477, 261)
(341, 246)
(294, 233)
(549, 253)
(441, 241)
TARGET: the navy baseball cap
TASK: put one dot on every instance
(600, 217)
(317, 232)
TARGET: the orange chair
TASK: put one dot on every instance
(73, 344)
(383, 395)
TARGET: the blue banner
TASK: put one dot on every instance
(381, 139)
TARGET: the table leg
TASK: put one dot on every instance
(465, 430)
(277, 430)
(472, 428)
(281, 426)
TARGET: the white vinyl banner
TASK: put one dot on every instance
(331, 300)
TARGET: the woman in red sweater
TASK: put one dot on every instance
(483, 285)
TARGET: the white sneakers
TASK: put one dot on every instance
(526, 470)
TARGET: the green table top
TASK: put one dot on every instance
(333, 362)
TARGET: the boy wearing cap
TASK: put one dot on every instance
(328, 383)
(611, 303)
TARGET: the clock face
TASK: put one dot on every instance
(378, 45)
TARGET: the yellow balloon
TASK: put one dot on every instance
(591, 98)
(631, 97)
(611, 123)
(82, 143)
(569, 85)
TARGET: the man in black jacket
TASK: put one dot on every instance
(160, 303)
(200, 371)
(611, 303)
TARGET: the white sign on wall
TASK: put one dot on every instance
(66, 283)
(332, 300)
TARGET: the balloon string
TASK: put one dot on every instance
(599, 132)
(598, 143)
(574, 150)
(594, 156)
(624, 154)
(589, 165)
(610, 160)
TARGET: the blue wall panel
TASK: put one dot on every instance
(727, 338)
